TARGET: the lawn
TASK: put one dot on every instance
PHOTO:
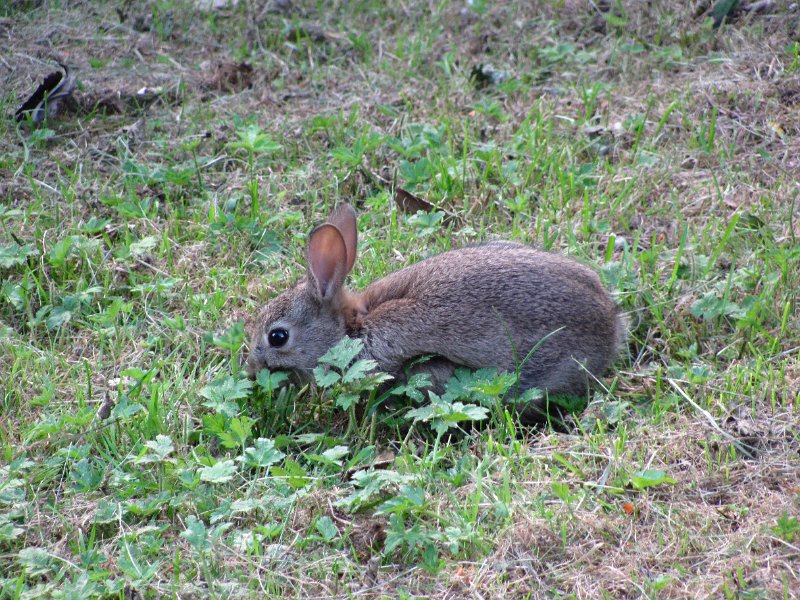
(144, 225)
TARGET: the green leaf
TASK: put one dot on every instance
(8, 532)
(495, 386)
(309, 438)
(221, 472)
(16, 294)
(528, 396)
(107, 512)
(649, 478)
(36, 562)
(414, 173)
(427, 223)
(423, 413)
(59, 317)
(95, 225)
(161, 448)
(345, 400)
(254, 140)
(124, 409)
(464, 382)
(227, 388)
(237, 432)
(144, 245)
(561, 490)
(371, 484)
(787, 528)
(430, 557)
(710, 307)
(232, 339)
(364, 457)
(270, 381)
(196, 534)
(399, 534)
(325, 377)
(86, 476)
(443, 415)
(74, 246)
(347, 157)
(336, 453)
(13, 254)
(224, 409)
(149, 505)
(332, 456)
(70, 306)
(615, 20)
(413, 387)
(343, 353)
(188, 478)
(77, 588)
(327, 529)
(39, 136)
(157, 286)
(7, 213)
(131, 562)
(294, 474)
(723, 9)
(245, 506)
(359, 369)
(411, 497)
(215, 423)
(222, 392)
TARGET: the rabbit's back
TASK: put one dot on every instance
(488, 306)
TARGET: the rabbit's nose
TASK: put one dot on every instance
(255, 361)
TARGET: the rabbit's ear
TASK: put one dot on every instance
(344, 219)
(327, 260)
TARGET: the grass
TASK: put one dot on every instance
(140, 229)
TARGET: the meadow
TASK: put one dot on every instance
(144, 225)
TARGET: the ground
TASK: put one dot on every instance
(144, 224)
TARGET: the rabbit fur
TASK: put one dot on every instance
(478, 306)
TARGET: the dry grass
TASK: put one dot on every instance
(712, 401)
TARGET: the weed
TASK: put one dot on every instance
(142, 226)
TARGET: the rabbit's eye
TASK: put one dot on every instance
(278, 337)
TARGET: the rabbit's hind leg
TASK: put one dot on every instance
(438, 368)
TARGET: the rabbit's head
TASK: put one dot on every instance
(295, 329)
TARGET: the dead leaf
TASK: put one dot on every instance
(106, 407)
(227, 76)
(55, 88)
(408, 203)
(382, 461)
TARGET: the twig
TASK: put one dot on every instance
(760, 6)
(744, 448)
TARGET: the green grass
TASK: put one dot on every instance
(139, 232)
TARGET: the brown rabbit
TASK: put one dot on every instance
(480, 306)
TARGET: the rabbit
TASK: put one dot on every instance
(479, 306)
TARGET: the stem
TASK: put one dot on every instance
(254, 208)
